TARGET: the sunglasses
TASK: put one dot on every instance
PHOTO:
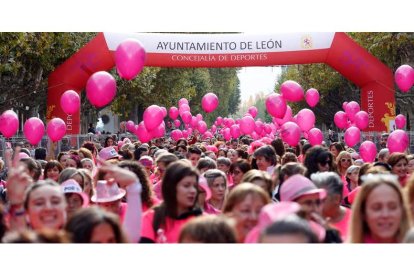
(345, 160)
(324, 162)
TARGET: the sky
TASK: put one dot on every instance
(257, 79)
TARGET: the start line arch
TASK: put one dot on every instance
(233, 50)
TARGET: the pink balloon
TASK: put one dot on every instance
(183, 108)
(351, 109)
(219, 120)
(173, 113)
(267, 128)
(164, 112)
(259, 127)
(368, 151)
(142, 133)
(199, 117)
(352, 136)
(202, 127)
(153, 117)
(130, 126)
(194, 122)
(397, 141)
(306, 119)
(209, 102)
(361, 120)
(404, 77)
(312, 97)
(400, 121)
(185, 133)
(235, 131)
(159, 131)
(226, 134)
(344, 105)
(315, 136)
(177, 123)
(247, 125)
(129, 58)
(9, 123)
(213, 129)
(291, 91)
(100, 89)
(182, 101)
(276, 105)
(290, 133)
(253, 111)
(341, 119)
(286, 118)
(176, 134)
(56, 129)
(186, 117)
(70, 102)
(230, 122)
(33, 130)
(207, 135)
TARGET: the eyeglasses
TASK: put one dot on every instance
(324, 162)
(345, 160)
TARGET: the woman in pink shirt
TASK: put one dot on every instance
(379, 213)
(162, 224)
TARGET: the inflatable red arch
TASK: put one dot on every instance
(233, 50)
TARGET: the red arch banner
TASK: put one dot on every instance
(233, 50)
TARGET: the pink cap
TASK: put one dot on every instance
(107, 193)
(108, 153)
(71, 186)
(297, 186)
(23, 155)
(270, 213)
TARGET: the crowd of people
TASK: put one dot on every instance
(206, 191)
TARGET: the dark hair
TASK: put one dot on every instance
(106, 141)
(315, 155)
(305, 148)
(81, 225)
(278, 146)
(396, 157)
(288, 170)
(90, 146)
(40, 153)
(35, 168)
(182, 140)
(50, 165)
(138, 152)
(289, 157)
(242, 154)
(141, 173)
(194, 150)
(243, 165)
(267, 152)
(174, 173)
(337, 146)
(292, 224)
(125, 154)
(181, 146)
(61, 154)
(206, 162)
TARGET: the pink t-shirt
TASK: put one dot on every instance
(209, 209)
(158, 190)
(345, 190)
(342, 225)
(155, 201)
(171, 231)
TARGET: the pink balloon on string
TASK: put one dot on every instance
(164, 111)
(368, 151)
(235, 131)
(70, 102)
(33, 130)
(259, 127)
(344, 105)
(276, 105)
(159, 131)
(130, 58)
(202, 127)
(100, 89)
(290, 133)
(312, 97)
(315, 136)
(56, 129)
(177, 123)
(400, 121)
(351, 109)
(361, 120)
(176, 134)
(153, 117)
(286, 118)
(219, 120)
(341, 119)
(306, 119)
(213, 129)
(142, 133)
(186, 117)
(253, 111)
(291, 91)
(209, 102)
(247, 125)
(352, 136)
(130, 126)
(183, 108)
(182, 101)
(185, 133)
(404, 77)
(173, 113)
(397, 141)
(9, 123)
(227, 134)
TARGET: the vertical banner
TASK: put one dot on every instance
(378, 101)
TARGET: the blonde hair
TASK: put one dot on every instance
(339, 163)
(240, 192)
(358, 227)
